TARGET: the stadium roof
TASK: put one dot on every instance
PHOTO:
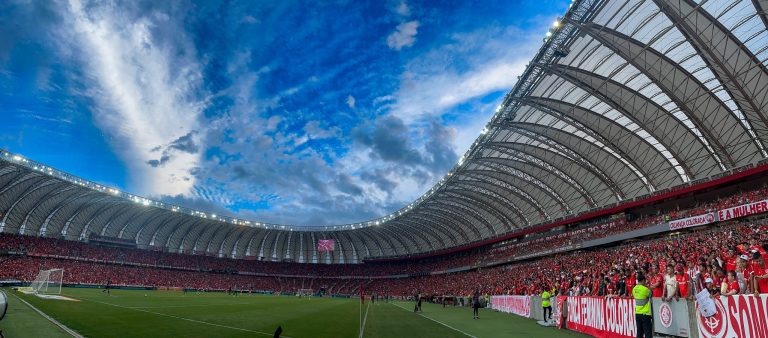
(625, 98)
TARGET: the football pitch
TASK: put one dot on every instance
(126, 313)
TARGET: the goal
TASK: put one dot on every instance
(48, 281)
(305, 293)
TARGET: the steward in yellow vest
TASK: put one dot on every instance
(545, 304)
(642, 295)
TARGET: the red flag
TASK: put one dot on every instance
(325, 245)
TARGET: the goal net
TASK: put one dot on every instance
(304, 293)
(48, 281)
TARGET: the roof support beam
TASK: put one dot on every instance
(598, 185)
(762, 10)
(449, 224)
(627, 144)
(485, 188)
(730, 138)
(540, 169)
(472, 196)
(695, 159)
(523, 177)
(741, 73)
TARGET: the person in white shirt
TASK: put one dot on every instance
(670, 284)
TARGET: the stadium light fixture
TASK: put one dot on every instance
(549, 34)
(556, 24)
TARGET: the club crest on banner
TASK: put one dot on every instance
(665, 314)
(716, 325)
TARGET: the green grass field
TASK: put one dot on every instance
(169, 314)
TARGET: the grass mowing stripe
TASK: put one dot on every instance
(437, 321)
(362, 327)
(71, 332)
(183, 318)
(185, 306)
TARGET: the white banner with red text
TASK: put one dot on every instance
(692, 221)
(519, 305)
(739, 316)
(743, 210)
(601, 317)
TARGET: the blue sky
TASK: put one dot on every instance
(298, 112)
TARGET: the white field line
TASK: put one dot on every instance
(437, 321)
(71, 332)
(187, 319)
(362, 328)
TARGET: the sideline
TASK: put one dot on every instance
(71, 332)
(362, 329)
(436, 321)
(186, 319)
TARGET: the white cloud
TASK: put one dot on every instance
(427, 94)
(469, 129)
(404, 35)
(351, 101)
(471, 66)
(146, 90)
(403, 9)
(250, 20)
(316, 132)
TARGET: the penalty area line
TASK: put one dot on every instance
(437, 321)
(186, 319)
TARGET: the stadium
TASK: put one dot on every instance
(630, 154)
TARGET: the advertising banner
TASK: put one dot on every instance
(519, 305)
(555, 309)
(738, 316)
(692, 221)
(671, 318)
(743, 210)
(601, 317)
(558, 312)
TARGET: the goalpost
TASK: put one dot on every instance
(48, 281)
(305, 293)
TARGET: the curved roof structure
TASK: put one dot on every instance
(625, 98)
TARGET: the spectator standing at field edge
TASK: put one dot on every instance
(642, 295)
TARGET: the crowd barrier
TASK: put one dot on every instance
(518, 305)
(601, 316)
(737, 316)
(740, 316)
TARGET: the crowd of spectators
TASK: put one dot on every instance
(100, 274)
(64, 249)
(672, 264)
